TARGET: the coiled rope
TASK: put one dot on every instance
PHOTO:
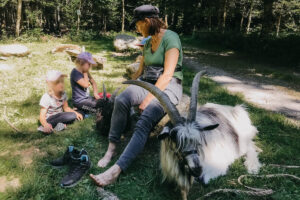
(255, 191)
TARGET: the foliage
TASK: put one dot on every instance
(60, 16)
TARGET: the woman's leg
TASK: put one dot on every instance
(133, 95)
(64, 117)
(149, 118)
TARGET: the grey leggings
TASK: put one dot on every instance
(63, 117)
(134, 95)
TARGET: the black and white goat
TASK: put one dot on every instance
(206, 142)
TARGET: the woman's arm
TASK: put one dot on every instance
(68, 109)
(171, 59)
(47, 127)
(94, 85)
(139, 72)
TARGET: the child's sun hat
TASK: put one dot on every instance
(86, 56)
(54, 75)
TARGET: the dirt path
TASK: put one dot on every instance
(271, 97)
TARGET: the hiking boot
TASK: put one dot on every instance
(77, 169)
(71, 153)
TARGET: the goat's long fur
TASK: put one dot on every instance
(218, 148)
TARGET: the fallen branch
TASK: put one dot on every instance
(9, 123)
(106, 195)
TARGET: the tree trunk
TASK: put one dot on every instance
(278, 24)
(19, 14)
(242, 18)
(250, 16)
(222, 15)
(78, 18)
(166, 20)
(123, 15)
(58, 19)
(104, 27)
(209, 21)
(267, 24)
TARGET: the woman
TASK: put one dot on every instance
(163, 55)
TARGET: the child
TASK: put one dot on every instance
(80, 82)
(55, 112)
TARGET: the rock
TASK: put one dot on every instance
(14, 50)
(64, 47)
(132, 68)
(3, 58)
(97, 58)
(125, 42)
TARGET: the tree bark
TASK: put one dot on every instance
(209, 21)
(222, 15)
(166, 20)
(250, 16)
(242, 18)
(278, 24)
(267, 24)
(78, 19)
(19, 14)
(123, 15)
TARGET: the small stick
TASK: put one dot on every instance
(9, 123)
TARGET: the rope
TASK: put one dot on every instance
(252, 191)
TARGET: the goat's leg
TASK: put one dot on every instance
(252, 162)
(184, 193)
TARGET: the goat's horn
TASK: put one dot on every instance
(194, 96)
(163, 99)
(113, 96)
(104, 91)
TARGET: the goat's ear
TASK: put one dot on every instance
(164, 133)
(209, 127)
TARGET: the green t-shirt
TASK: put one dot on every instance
(169, 40)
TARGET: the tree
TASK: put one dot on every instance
(268, 19)
(123, 15)
(19, 14)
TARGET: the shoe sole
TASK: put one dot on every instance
(74, 184)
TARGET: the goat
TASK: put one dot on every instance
(104, 109)
(206, 142)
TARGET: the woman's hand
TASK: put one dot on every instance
(79, 116)
(48, 128)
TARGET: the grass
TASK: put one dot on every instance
(21, 89)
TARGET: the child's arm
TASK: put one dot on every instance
(94, 85)
(84, 82)
(47, 127)
(68, 109)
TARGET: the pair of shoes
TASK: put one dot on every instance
(58, 127)
(79, 163)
